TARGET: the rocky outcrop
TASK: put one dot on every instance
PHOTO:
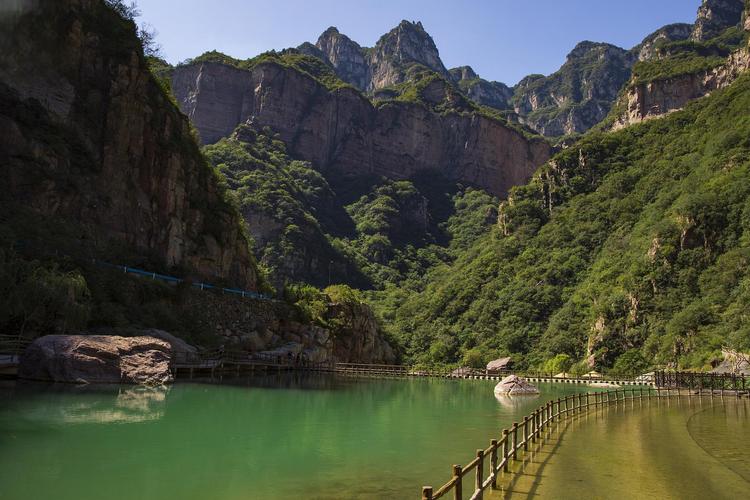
(493, 94)
(577, 96)
(277, 327)
(357, 338)
(383, 65)
(670, 33)
(515, 385)
(405, 45)
(342, 131)
(347, 57)
(656, 98)
(92, 359)
(714, 16)
(89, 137)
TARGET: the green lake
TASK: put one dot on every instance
(288, 436)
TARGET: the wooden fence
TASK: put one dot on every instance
(501, 452)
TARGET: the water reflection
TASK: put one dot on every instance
(86, 404)
(515, 401)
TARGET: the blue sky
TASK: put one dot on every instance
(502, 40)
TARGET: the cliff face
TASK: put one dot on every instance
(670, 33)
(342, 131)
(714, 16)
(656, 98)
(579, 94)
(493, 94)
(90, 137)
(346, 57)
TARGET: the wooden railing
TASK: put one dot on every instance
(13, 344)
(702, 381)
(504, 450)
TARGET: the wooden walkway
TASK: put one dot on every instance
(512, 444)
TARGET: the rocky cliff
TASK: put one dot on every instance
(670, 33)
(383, 65)
(659, 97)
(493, 94)
(578, 95)
(671, 91)
(90, 137)
(714, 16)
(341, 130)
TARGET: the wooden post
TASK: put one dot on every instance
(526, 433)
(515, 440)
(493, 463)
(479, 475)
(426, 492)
(458, 488)
(506, 454)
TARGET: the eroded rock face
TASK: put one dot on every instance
(90, 137)
(383, 65)
(654, 99)
(358, 340)
(670, 33)
(493, 94)
(578, 95)
(342, 131)
(346, 57)
(90, 359)
(714, 16)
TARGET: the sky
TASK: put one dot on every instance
(502, 40)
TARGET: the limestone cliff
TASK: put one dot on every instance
(89, 137)
(341, 130)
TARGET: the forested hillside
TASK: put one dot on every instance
(625, 250)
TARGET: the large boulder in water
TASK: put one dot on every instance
(513, 384)
(97, 359)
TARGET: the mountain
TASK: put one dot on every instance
(384, 65)
(578, 95)
(628, 249)
(492, 94)
(101, 170)
(714, 16)
(90, 139)
(338, 130)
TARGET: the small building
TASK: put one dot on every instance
(500, 365)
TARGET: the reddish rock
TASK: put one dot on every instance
(342, 131)
(97, 359)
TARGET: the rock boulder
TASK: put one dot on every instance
(97, 359)
(513, 384)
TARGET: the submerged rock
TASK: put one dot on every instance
(513, 384)
(97, 359)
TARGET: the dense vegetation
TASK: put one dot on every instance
(629, 249)
(364, 231)
(290, 58)
(687, 57)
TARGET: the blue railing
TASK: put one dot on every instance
(172, 279)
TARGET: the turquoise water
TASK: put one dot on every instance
(276, 437)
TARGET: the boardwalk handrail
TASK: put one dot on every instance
(172, 279)
(504, 450)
